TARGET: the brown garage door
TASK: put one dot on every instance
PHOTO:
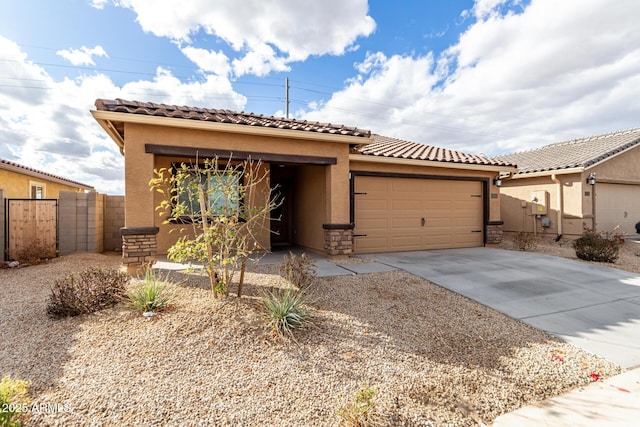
(404, 214)
(617, 205)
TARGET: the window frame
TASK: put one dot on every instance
(188, 218)
(33, 190)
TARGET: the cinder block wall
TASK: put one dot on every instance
(2, 222)
(67, 222)
(95, 222)
(113, 221)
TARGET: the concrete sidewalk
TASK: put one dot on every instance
(612, 402)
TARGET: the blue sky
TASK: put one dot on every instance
(480, 76)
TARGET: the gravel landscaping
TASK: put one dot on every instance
(434, 357)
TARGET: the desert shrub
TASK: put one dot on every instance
(92, 290)
(361, 412)
(13, 401)
(33, 253)
(285, 311)
(524, 241)
(300, 271)
(151, 295)
(598, 246)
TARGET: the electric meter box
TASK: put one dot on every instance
(539, 202)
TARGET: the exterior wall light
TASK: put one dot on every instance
(591, 179)
(497, 182)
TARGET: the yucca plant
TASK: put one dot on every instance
(152, 295)
(286, 311)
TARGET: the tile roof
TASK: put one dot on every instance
(6, 164)
(384, 146)
(576, 153)
(225, 116)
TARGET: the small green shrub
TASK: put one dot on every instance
(91, 290)
(286, 311)
(598, 246)
(151, 295)
(524, 241)
(13, 401)
(300, 271)
(361, 412)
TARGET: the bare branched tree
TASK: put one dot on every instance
(226, 209)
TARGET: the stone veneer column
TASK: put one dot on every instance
(494, 232)
(338, 239)
(139, 246)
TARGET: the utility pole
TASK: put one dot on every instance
(286, 96)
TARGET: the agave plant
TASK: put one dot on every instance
(286, 311)
(152, 295)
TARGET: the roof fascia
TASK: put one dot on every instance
(107, 116)
(429, 163)
(548, 173)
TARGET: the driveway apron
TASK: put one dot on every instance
(595, 308)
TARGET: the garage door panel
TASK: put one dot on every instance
(375, 223)
(373, 244)
(617, 205)
(403, 205)
(405, 241)
(404, 223)
(437, 205)
(435, 223)
(390, 215)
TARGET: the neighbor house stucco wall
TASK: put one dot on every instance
(623, 167)
(18, 186)
(568, 201)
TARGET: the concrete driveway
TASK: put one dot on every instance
(595, 308)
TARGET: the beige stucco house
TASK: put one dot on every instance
(345, 190)
(22, 182)
(593, 181)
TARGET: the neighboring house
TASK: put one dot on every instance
(22, 182)
(346, 191)
(31, 226)
(593, 181)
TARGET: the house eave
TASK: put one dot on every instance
(109, 128)
(548, 173)
(429, 163)
(107, 118)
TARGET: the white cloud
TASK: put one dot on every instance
(46, 124)
(82, 56)
(554, 71)
(260, 61)
(207, 60)
(99, 4)
(293, 30)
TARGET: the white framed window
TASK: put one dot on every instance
(37, 190)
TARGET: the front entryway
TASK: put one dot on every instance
(281, 217)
